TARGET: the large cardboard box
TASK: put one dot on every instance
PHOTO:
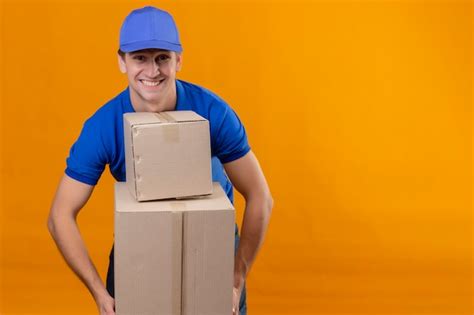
(174, 257)
(167, 155)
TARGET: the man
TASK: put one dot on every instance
(150, 55)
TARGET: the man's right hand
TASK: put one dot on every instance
(106, 304)
(70, 198)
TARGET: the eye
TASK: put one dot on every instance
(163, 58)
(139, 58)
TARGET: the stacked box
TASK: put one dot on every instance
(167, 155)
(174, 257)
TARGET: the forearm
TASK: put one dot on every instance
(65, 233)
(253, 230)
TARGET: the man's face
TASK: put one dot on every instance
(151, 77)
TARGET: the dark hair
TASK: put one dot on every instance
(122, 54)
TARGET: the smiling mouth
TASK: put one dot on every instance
(151, 83)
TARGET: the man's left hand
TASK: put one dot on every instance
(236, 301)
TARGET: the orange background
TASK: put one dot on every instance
(360, 113)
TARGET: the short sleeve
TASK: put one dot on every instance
(228, 137)
(87, 157)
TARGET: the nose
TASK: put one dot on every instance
(153, 69)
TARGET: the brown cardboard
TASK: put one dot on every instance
(167, 155)
(174, 256)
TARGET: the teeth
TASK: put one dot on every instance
(150, 83)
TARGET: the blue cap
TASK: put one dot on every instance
(149, 27)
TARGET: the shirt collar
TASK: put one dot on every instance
(181, 97)
(127, 103)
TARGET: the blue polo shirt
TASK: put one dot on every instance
(101, 140)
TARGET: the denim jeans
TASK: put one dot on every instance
(111, 288)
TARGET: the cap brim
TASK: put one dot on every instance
(157, 44)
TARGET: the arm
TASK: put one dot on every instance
(70, 197)
(247, 177)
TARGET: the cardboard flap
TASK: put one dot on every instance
(125, 202)
(143, 118)
(181, 116)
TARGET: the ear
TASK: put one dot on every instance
(121, 63)
(179, 61)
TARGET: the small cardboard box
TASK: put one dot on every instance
(167, 155)
(174, 256)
